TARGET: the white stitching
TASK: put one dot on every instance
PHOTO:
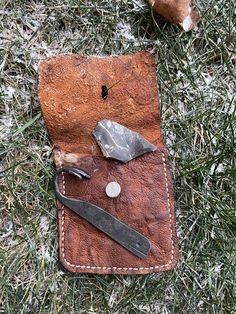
(118, 268)
(63, 210)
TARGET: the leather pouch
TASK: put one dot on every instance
(72, 100)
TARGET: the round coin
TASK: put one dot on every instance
(113, 189)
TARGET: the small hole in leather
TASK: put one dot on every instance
(104, 92)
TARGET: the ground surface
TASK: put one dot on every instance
(197, 89)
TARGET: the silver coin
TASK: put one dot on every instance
(113, 189)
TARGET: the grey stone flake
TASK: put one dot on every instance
(120, 143)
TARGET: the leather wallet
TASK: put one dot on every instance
(71, 92)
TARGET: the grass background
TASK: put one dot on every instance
(196, 74)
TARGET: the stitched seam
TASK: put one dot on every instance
(113, 267)
(63, 211)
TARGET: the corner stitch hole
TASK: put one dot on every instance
(104, 92)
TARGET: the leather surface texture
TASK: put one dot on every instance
(70, 93)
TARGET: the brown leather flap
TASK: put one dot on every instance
(70, 92)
